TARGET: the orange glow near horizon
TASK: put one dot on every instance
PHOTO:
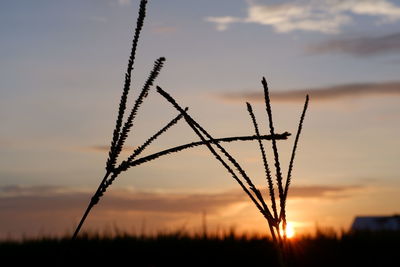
(290, 231)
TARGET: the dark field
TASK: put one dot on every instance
(361, 249)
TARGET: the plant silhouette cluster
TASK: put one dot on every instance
(277, 222)
(125, 122)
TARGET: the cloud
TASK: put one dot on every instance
(325, 16)
(222, 23)
(322, 94)
(386, 10)
(44, 210)
(44, 190)
(322, 191)
(360, 47)
(29, 199)
(290, 16)
(52, 198)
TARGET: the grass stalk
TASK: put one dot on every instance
(274, 147)
(179, 148)
(290, 168)
(143, 94)
(260, 203)
(112, 158)
(120, 135)
(265, 162)
(94, 200)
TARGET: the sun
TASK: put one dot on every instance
(290, 232)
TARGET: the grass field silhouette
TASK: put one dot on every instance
(325, 248)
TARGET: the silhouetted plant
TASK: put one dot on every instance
(122, 130)
(276, 222)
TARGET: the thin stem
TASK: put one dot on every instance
(288, 179)
(271, 229)
(93, 201)
(274, 146)
(264, 158)
(154, 156)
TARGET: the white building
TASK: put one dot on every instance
(376, 223)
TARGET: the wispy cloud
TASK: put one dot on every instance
(326, 16)
(54, 209)
(324, 191)
(222, 23)
(53, 197)
(25, 198)
(321, 94)
(361, 46)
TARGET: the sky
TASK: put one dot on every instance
(62, 67)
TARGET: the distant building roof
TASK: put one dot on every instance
(376, 223)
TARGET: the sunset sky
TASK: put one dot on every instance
(62, 66)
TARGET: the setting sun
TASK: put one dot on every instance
(290, 232)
